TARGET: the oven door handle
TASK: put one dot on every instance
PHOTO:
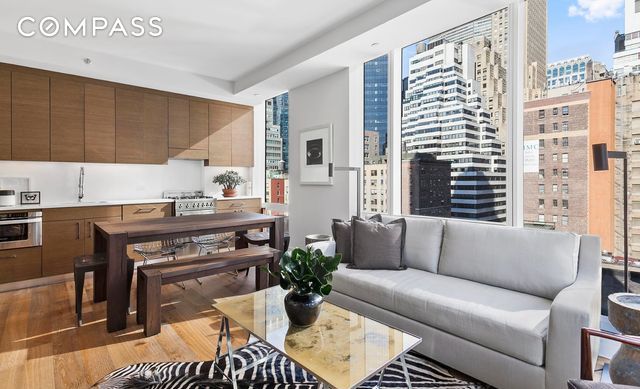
(20, 221)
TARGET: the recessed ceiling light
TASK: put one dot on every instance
(86, 60)
(374, 44)
(256, 94)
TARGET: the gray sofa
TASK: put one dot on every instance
(502, 304)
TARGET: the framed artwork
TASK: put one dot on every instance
(31, 197)
(316, 153)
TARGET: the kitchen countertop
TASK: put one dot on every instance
(70, 204)
(83, 204)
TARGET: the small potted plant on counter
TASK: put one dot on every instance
(307, 274)
(229, 180)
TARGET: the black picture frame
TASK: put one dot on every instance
(29, 197)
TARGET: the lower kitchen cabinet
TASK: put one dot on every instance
(88, 231)
(61, 242)
(20, 264)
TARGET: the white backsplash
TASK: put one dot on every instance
(58, 181)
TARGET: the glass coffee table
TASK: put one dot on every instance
(342, 349)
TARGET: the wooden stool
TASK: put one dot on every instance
(96, 263)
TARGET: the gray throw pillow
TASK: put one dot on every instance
(578, 384)
(375, 245)
(342, 235)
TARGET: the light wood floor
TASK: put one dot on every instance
(41, 347)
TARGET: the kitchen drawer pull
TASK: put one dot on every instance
(89, 229)
(78, 231)
(145, 210)
(9, 256)
(236, 205)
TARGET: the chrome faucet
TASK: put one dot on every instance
(81, 185)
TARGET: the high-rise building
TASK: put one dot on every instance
(371, 145)
(273, 148)
(375, 185)
(495, 27)
(574, 71)
(561, 190)
(426, 185)
(281, 119)
(444, 114)
(492, 80)
(626, 58)
(375, 99)
(628, 139)
(535, 50)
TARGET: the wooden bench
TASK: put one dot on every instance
(152, 277)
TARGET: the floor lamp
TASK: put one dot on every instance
(601, 162)
(359, 183)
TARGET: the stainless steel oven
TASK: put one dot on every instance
(20, 229)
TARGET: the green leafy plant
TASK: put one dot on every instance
(229, 179)
(307, 271)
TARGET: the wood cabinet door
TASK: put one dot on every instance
(30, 126)
(146, 211)
(61, 242)
(178, 123)
(198, 125)
(99, 123)
(156, 133)
(242, 136)
(20, 264)
(5, 114)
(129, 126)
(89, 231)
(219, 135)
(67, 120)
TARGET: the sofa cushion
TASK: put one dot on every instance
(527, 260)
(503, 320)
(376, 245)
(341, 231)
(422, 242)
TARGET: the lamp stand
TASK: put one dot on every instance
(359, 182)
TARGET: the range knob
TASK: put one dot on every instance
(187, 206)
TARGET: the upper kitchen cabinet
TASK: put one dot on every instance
(5, 114)
(241, 136)
(67, 120)
(156, 131)
(99, 123)
(178, 123)
(129, 126)
(198, 125)
(219, 134)
(30, 127)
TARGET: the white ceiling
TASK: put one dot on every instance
(238, 50)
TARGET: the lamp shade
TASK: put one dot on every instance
(600, 157)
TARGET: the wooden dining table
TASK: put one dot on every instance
(113, 237)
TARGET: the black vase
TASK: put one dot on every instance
(303, 309)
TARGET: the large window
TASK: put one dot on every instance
(277, 149)
(375, 172)
(454, 127)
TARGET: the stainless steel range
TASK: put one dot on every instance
(191, 202)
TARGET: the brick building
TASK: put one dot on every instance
(563, 192)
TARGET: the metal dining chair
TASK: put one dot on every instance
(161, 249)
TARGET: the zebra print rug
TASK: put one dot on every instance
(276, 372)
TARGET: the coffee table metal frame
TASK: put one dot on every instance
(232, 377)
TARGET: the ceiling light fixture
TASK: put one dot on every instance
(374, 44)
(86, 60)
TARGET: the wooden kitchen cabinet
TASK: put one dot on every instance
(241, 136)
(219, 134)
(5, 114)
(129, 126)
(156, 131)
(67, 120)
(198, 125)
(239, 205)
(178, 123)
(20, 264)
(99, 123)
(62, 241)
(30, 113)
(146, 211)
(89, 225)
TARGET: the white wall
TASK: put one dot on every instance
(311, 208)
